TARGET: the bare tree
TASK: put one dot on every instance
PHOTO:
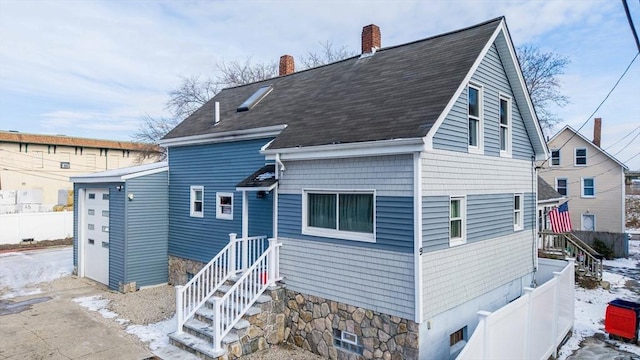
(541, 71)
(327, 54)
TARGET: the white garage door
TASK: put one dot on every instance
(96, 235)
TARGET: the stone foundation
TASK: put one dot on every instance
(179, 267)
(311, 323)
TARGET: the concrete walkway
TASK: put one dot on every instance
(51, 326)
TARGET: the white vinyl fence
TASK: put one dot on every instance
(36, 226)
(530, 327)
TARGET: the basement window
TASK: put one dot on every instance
(457, 341)
(254, 99)
(347, 341)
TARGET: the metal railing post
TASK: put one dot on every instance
(179, 309)
(232, 253)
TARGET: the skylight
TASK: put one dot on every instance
(255, 98)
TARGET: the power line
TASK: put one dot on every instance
(629, 143)
(630, 21)
(601, 103)
(624, 137)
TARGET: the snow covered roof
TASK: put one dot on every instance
(122, 174)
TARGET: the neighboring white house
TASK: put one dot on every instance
(591, 179)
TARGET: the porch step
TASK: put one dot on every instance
(205, 332)
(205, 314)
(226, 287)
(195, 345)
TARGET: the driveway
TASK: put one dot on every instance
(48, 324)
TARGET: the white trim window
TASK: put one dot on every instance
(474, 112)
(588, 187)
(588, 222)
(457, 220)
(555, 157)
(344, 214)
(518, 217)
(196, 208)
(562, 186)
(224, 206)
(505, 126)
(580, 158)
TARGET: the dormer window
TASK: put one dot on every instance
(254, 99)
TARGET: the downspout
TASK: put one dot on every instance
(534, 249)
(280, 166)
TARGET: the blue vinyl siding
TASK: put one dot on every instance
(435, 223)
(147, 229)
(217, 167)
(117, 235)
(452, 133)
(488, 216)
(394, 223)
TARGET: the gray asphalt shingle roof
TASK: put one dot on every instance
(399, 92)
(546, 191)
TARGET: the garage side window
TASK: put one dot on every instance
(197, 201)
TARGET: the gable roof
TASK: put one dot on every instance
(398, 92)
(546, 192)
(24, 138)
(589, 142)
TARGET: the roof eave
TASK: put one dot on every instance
(357, 149)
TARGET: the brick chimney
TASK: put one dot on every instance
(597, 131)
(370, 38)
(287, 65)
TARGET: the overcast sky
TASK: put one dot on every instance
(94, 68)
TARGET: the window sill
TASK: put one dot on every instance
(335, 234)
(457, 242)
(476, 150)
(505, 154)
(579, 165)
(197, 215)
(588, 196)
(224, 217)
(518, 228)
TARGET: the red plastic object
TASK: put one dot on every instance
(264, 277)
(622, 319)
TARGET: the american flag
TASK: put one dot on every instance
(560, 219)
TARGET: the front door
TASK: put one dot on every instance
(96, 234)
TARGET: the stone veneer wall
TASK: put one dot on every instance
(178, 268)
(311, 320)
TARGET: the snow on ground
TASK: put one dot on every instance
(590, 305)
(21, 271)
(96, 303)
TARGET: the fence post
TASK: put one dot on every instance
(179, 308)
(217, 321)
(232, 253)
(556, 312)
(483, 315)
(528, 292)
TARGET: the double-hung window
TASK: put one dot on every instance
(588, 187)
(517, 212)
(224, 206)
(505, 126)
(197, 201)
(555, 157)
(561, 186)
(457, 213)
(339, 214)
(475, 118)
(581, 157)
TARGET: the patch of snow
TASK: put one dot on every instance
(265, 176)
(96, 303)
(20, 272)
(155, 334)
(590, 305)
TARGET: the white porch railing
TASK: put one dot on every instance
(530, 327)
(191, 296)
(230, 308)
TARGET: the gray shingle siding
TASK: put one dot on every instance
(117, 236)
(375, 279)
(452, 133)
(218, 167)
(394, 223)
(147, 228)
